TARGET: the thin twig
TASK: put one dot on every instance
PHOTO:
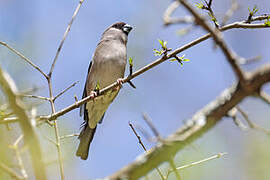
(138, 137)
(150, 124)
(211, 12)
(251, 124)
(56, 132)
(69, 135)
(31, 138)
(265, 97)
(141, 143)
(230, 12)
(219, 155)
(244, 61)
(34, 96)
(9, 120)
(172, 164)
(65, 90)
(65, 36)
(52, 98)
(10, 171)
(23, 57)
(49, 139)
(233, 114)
(217, 36)
(19, 158)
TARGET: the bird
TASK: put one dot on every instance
(107, 66)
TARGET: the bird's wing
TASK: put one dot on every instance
(83, 107)
(83, 110)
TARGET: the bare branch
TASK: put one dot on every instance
(150, 124)
(65, 90)
(23, 57)
(217, 36)
(56, 131)
(233, 114)
(141, 143)
(69, 135)
(251, 124)
(65, 36)
(172, 164)
(265, 97)
(199, 124)
(52, 98)
(219, 155)
(11, 172)
(9, 120)
(230, 12)
(18, 157)
(31, 139)
(34, 96)
(243, 61)
(138, 137)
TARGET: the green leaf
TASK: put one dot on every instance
(267, 22)
(157, 52)
(200, 5)
(130, 60)
(180, 60)
(163, 44)
(97, 88)
(253, 11)
(213, 18)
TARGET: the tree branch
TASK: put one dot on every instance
(155, 63)
(11, 172)
(23, 57)
(217, 36)
(65, 36)
(31, 139)
(203, 121)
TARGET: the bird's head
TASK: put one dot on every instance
(119, 30)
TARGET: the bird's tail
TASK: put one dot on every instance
(86, 137)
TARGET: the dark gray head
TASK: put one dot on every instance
(119, 30)
(122, 26)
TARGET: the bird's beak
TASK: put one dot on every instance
(127, 28)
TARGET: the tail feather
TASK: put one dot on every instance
(86, 137)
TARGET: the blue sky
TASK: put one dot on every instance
(169, 93)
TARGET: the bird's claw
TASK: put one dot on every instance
(93, 94)
(119, 83)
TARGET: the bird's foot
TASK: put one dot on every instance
(119, 83)
(93, 94)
